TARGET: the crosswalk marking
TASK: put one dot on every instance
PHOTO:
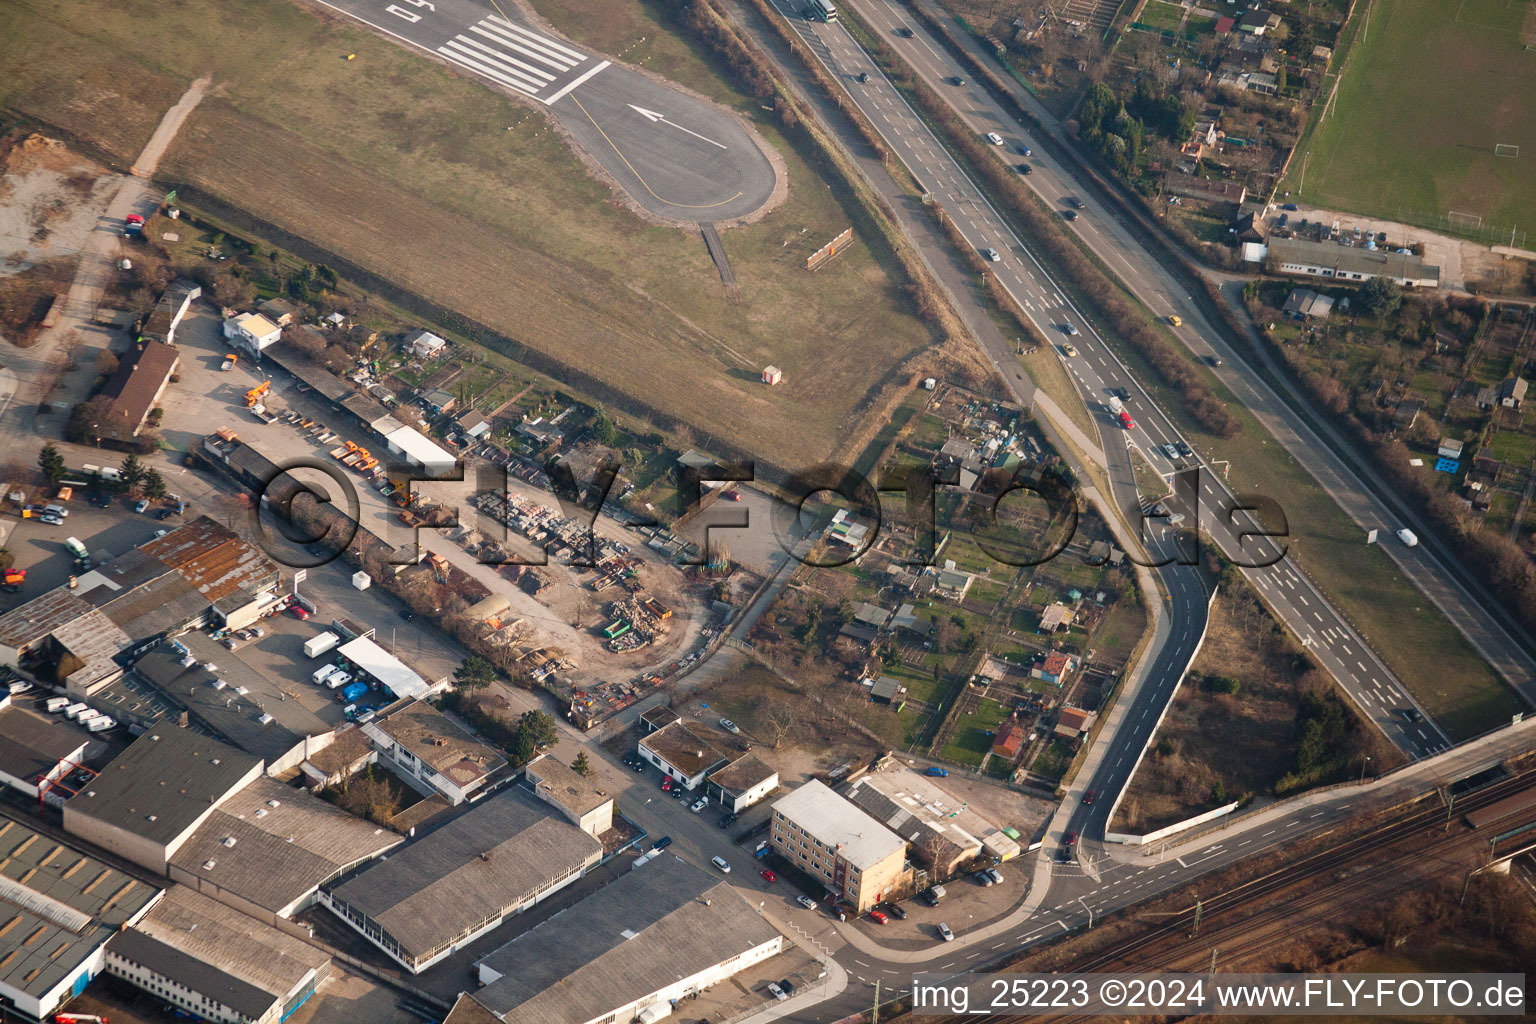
(519, 58)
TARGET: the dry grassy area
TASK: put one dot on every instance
(469, 199)
(1214, 747)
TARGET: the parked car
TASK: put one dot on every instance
(778, 993)
(995, 875)
(662, 843)
(720, 863)
(806, 902)
(726, 821)
(878, 916)
(937, 772)
(666, 784)
(141, 505)
(699, 804)
(896, 910)
(298, 612)
(945, 933)
(983, 879)
(730, 726)
(789, 989)
(768, 875)
(51, 519)
(164, 514)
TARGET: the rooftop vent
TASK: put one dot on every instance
(228, 840)
(208, 864)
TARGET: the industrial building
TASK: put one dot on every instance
(857, 858)
(684, 752)
(447, 888)
(215, 963)
(58, 909)
(267, 849)
(944, 832)
(198, 574)
(253, 332)
(222, 695)
(630, 951)
(574, 795)
(1349, 263)
(153, 796)
(36, 751)
(430, 751)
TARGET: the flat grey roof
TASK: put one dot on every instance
(564, 785)
(858, 838)
(437, 740)
(282, 853)
(31, 744)
(58, 907)
(167, 779)
(223, 709)
(662, 921)
(30, 623)
(502, 851)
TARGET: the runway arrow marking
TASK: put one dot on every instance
(653, 117)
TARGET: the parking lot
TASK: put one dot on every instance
(39, 548)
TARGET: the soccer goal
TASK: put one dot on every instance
(1506, 149)
(1465, 221)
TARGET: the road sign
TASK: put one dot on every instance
(300, 576)
(1370, 536)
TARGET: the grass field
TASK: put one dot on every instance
(1430, 86)
(471, 200)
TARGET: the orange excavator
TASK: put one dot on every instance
(255, 394)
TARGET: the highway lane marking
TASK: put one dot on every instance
(1063, 927)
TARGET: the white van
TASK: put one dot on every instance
(339, 680)
(720, 863)
(994, 138)
(1408, 537)
(101, 724)
(57, 704)
(322, 674)
(74, 711)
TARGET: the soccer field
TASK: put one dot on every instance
(1435, 95)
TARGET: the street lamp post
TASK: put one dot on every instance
(1362, 766)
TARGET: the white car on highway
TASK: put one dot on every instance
(994, 138)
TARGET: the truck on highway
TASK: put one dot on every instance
(1408, 537)
(1114, 405)
(318, 645)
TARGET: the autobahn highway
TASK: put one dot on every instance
(1097, 370)
(1429, 566)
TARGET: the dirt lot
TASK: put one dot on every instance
(207, 398)
(1192, 761)
(389, 156)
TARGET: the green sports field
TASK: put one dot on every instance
(1430, 87)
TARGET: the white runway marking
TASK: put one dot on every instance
(519, 58)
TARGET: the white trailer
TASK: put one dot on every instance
(318, 645)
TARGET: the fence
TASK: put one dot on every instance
(1464, 225)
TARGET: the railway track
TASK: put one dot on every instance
(1170, 945)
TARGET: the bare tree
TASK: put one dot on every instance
(776, 716)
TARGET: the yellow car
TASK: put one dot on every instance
(1070, 350)
(1175, 321)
